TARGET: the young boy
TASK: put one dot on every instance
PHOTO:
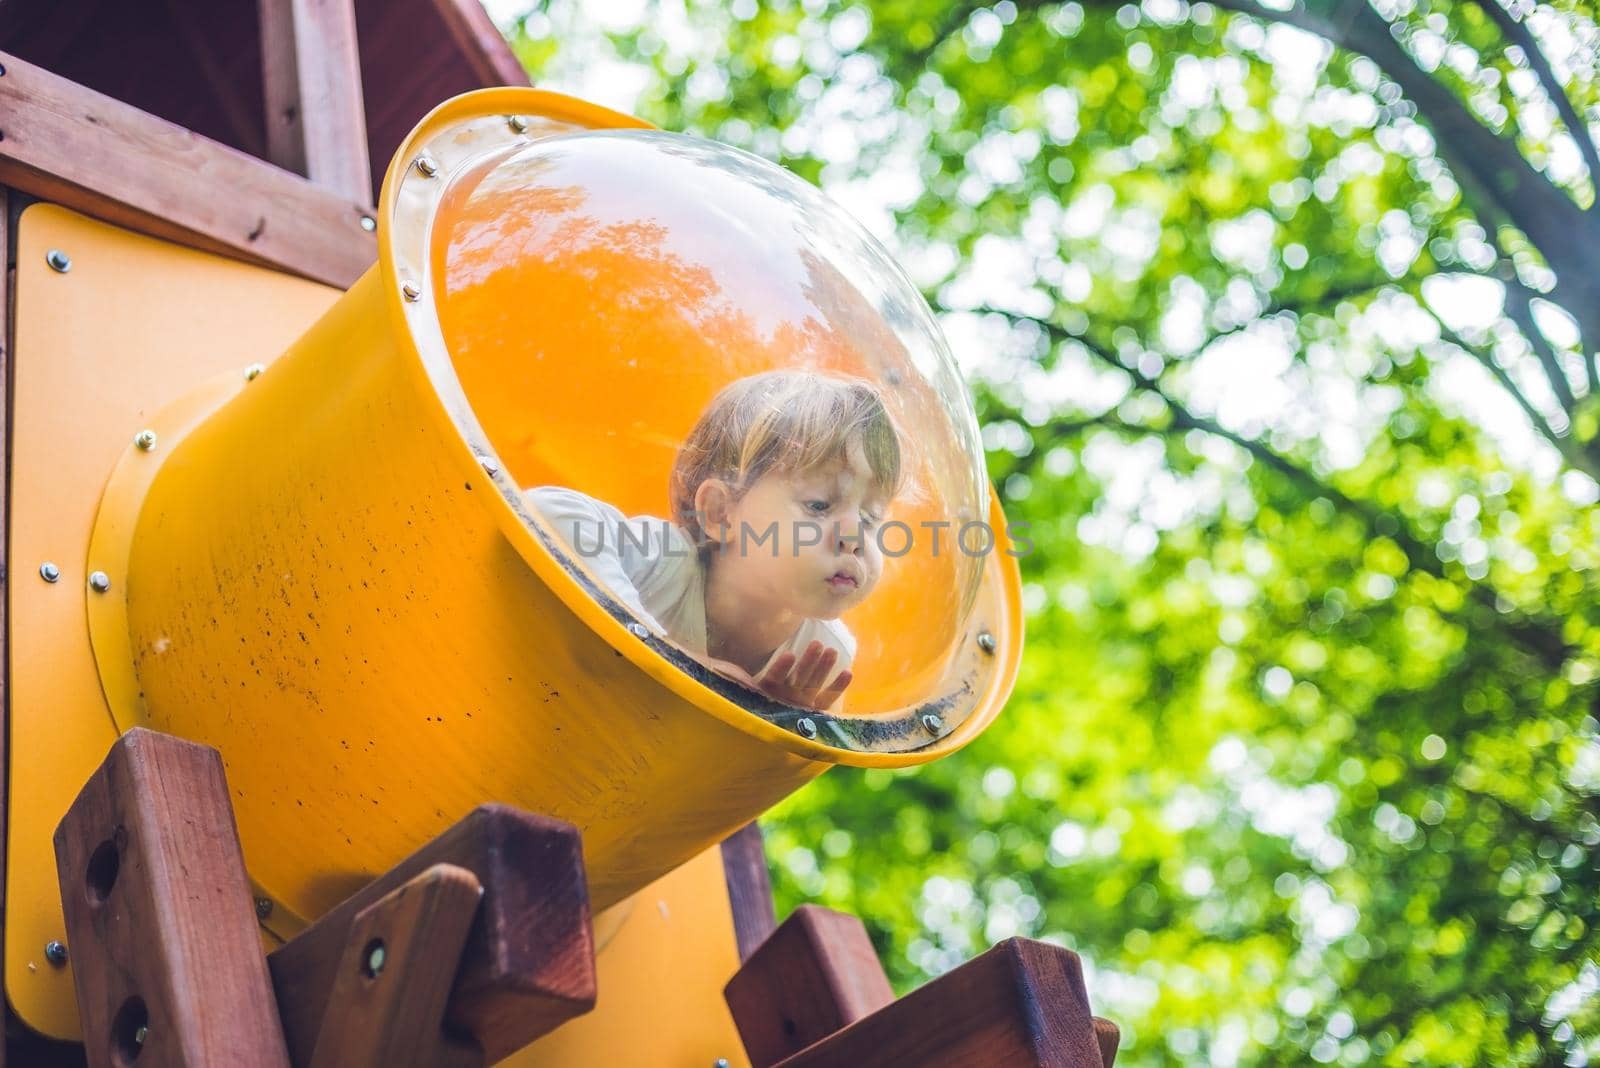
(776, 497)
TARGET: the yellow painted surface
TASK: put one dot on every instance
(332, 580)
(660, 982)
(135, 325)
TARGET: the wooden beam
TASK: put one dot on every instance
(88, 152)
(400, 957)
(744, 868)
(528, 965)
(817, 974)
(161, 928)
(1020, 1005)
(491, 59)
(311, 82)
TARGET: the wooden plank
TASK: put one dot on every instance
(311, 82)
(482, 46)
(93, 154)
(529, 961)
(400, 958)
(1109, 1036)
(165, 950)
(1020, 1005)
(744, 867)
(818, 973)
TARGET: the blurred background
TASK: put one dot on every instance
(1281, 320)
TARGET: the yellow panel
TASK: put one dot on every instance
(133, 326)
(660, 982)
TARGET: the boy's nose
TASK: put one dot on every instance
(848, 537)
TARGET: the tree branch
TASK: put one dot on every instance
(1541, 637)
(1564, 444)
(1477, 155)
(1516, 31)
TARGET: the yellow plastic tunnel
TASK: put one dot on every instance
(335, 577)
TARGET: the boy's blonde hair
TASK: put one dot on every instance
(783, 421)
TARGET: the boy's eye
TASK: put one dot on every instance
(817, 506)
(868, 519)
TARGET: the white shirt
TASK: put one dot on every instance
(652, 567)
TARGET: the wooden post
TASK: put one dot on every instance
(400, 957)
(311, 85)
(744, 867)
(528, 964)
(161, 927)
(818, 973)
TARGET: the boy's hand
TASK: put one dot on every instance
(800, 682)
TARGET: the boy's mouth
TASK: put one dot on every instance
(844, 580)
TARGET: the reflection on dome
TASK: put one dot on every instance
(597, 292)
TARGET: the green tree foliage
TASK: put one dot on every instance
(1282, 324)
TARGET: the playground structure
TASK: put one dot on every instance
(321, 750)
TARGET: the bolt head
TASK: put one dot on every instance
(986, 641)
(720, 1062)
(377, 956)
(518, 123)
(263, 907)
(55, 952)
(638, 630)
(145, 439)
(99, 581)
(410, 290)
(427, 166)
(805, 727)
(141, 1033)
(59, 261)
(932, 723)
(490, 468)
(369, 224)
(49, 572)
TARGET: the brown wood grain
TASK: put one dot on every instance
(744, 869)
(311, 89)
(1020, 1005)
(817, 974)
(482, 47)
(1109, 1036)
(528, 965)
(106, 159)
(165, 950)
(400, 957)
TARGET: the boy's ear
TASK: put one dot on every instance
(713, 506)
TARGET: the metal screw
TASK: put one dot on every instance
(368, 223)
(253, 372)
(145, 439)
(99, 581)
(986, 641)
(638, 630)
(263, 907)
(55, 952)
(49, 572)
(932, 723)
(805, 727)
(721, 1062)
(426, 165)
(376, 956)
(59, 261)
(489, 466)
(518, 123)
(410, 290)
(140, 1033)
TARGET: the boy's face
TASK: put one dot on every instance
(806, 542)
